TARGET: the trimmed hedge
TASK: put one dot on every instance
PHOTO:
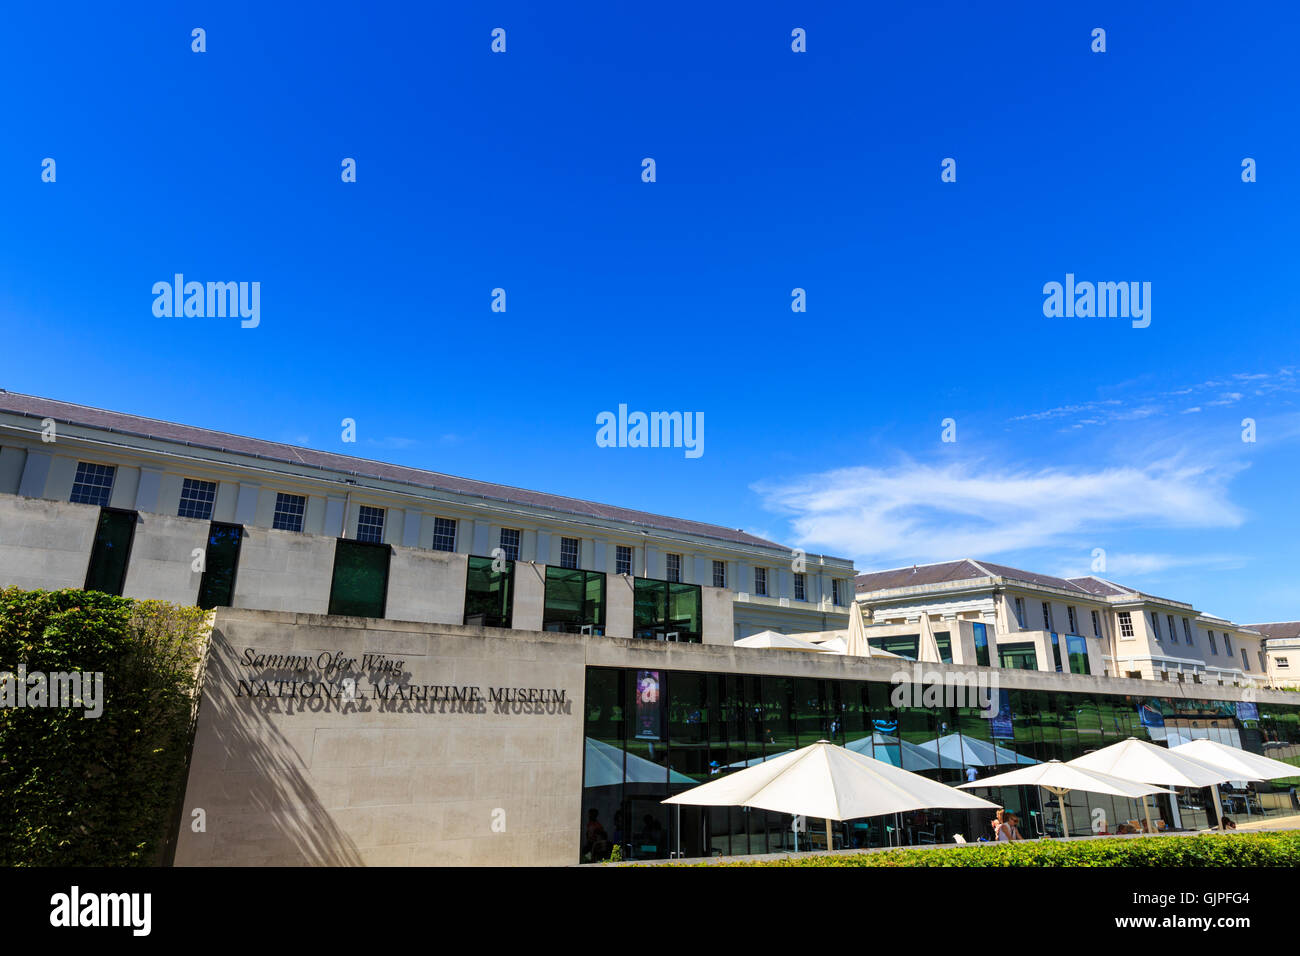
(80, 791)
(1277, 848)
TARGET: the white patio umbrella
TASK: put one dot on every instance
(1240, 764)
(914, 755)
(927, 647)
(836, 645)
(829, 783)
(775, 641)
(1135, 759)
(1060, 778)
(855, 641)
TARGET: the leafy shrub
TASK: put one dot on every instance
(77, 791)
(1281, 848)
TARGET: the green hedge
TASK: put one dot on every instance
(79, 791)
(1279, 848)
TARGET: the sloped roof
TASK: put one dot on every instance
(1278, 629)
(918, 575)
(67, 413)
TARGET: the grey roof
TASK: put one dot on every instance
(1102, 588)
(68, 413)
(1278, 629)
(920, 574)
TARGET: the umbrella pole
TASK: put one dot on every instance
(1065, 827)
(1218, 803)
(1146, 810)
(829, 845)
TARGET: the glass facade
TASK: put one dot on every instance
(220, 564)
(360, 585)
(666, 610)
(908, 645)
(650, 734)
(110, 552)
(575, 601)
(1018, 656)
(489, 594)
(981, 644)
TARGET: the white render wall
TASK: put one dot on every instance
(162, 558)
(427, 586)
(284, 571)
(45, 544)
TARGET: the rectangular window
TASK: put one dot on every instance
(1227, 644)
(1283, 662)
(623, 559)
(1073, 619)
(1245, 660)
(111, 551)
(1020, 657)
(93, 484)
(719, 574)
(1056, 652)
(570, 548)
(837, 592)
(1155, 625)
(370, 525)
(674, 567)
(1187, 631)
(1173, 629)
(220, 563)
(289, 510)
(444, 534)
(1125, 624)
(489, 594)
(981, 644)
(663, 611)
(1263, 662)
(1078, 649)
(800, 590)
(1096, 624)
(760, 580)
(360, 585)
(1047, 616)
(509, 543)
(575, 601)
(1214, 645)
(197, 499)
(1020, 611)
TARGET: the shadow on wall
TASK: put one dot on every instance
(280, 818)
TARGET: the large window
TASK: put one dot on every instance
(444, 534)
(1056, 652)
(510, 543)
(570, 549)
(1019, 657)
(489, 594)
(719, 574)
(904, 645)
(1078, 648)
(360, 586)
(837, 592)
(1125, 624)
(666, 610)
(111, 551)
(673, 563)
(622, 559)
(800, 587)
(1020, 611)
(575, 601)
(93, 484)
(197, 499)
(220, 563)
(760, 580)
(1047, 616)
(370, 524)
(981, 644)
(289, 510)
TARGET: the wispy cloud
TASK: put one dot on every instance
(916, 511)
(1121, 565)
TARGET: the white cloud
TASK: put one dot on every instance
(1120, 566)
(922, 512)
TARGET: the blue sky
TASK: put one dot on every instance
(775, 170)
